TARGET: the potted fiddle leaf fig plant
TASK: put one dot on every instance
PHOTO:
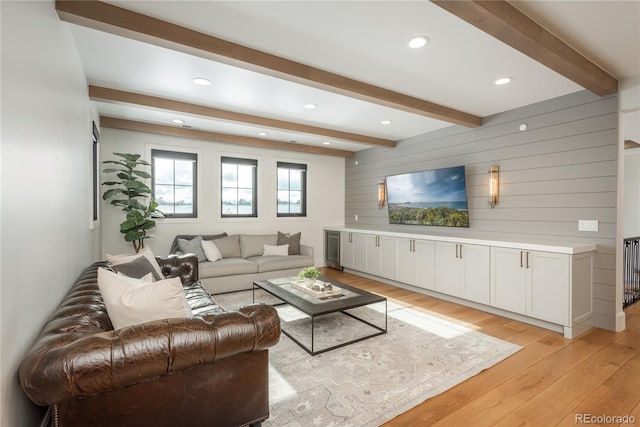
(130, 193)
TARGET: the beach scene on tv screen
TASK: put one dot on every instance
(435, 197)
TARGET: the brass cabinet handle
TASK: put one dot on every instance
(527, 259)
(521, 260)
(457, 251)
(460, 251)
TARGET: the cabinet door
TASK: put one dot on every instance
(372, 255)
(346, 249)
(424, 252)
(507, 279)
(387, 256)
(448, 268)
(547, 286)
(474, 262)
(359, 252)
(404, 261)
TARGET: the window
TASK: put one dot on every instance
(174, 183)
(239, 187)
(292, 189)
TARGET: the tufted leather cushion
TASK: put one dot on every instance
(185, 267)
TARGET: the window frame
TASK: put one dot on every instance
(254, 183)
(303, 184)
(176, 155)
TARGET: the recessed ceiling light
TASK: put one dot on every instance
(310, 106)
(178, 121)
(262, 133)
(386, 122)
(418, 42)
(202, 81)
(326, 143)
(504, 80)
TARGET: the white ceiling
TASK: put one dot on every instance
(363, 40)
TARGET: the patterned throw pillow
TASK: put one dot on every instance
(293, 240)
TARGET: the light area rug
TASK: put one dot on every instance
(369, 382)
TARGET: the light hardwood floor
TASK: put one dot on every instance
(546, 383)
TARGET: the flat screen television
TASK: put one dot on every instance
(435, 197)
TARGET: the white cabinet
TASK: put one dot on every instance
(532, 283)
(346, 249)
(416, 262)
(462, 270)
(352, 250)
(380, 256)
(359, 251)
(548, 288)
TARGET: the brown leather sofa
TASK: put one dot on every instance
(209, 370)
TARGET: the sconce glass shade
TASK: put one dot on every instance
(382, 194)
(494, 184)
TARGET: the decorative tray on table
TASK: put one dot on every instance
(317, 288)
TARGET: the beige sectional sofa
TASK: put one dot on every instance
(243, 258)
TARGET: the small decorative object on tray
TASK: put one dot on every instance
(307, 281)
(317, 288)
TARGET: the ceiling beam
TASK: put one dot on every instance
(115, 123)
(115, 20)
(509, 25)
(97, 93)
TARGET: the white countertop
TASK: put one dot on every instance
(564, 247)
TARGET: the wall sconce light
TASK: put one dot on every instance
(382, 194)
(494, 183)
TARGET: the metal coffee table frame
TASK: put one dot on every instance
(285, 293)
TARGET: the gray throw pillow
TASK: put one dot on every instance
(293, 240)
(174, 245)
(193, 246)
(137, 268)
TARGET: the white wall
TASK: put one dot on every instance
(325, 189)
(46, 240)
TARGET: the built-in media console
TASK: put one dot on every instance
(542, 283)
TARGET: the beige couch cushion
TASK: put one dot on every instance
(227, 267)
(274, 263)
(252, 244)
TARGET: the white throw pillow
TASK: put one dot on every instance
(146, 252)
(131, 301)
(211, 251)
(282, 250)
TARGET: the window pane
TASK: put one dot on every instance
(184, 172)
(184, 200)
(296, 179)
(291, 187)
(245, 176)
(174, 182)
(229, 175)
(238, 187)
(163, 171)
(283, 179)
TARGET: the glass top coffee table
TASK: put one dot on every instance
(314, 307)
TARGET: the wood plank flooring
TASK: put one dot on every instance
(547, 383)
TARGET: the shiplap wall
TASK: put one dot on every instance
(560, 170)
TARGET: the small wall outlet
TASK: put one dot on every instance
(588, 225)
(355, 217)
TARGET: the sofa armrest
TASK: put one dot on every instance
(183, 266)
(306, 250)
(63, 366)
